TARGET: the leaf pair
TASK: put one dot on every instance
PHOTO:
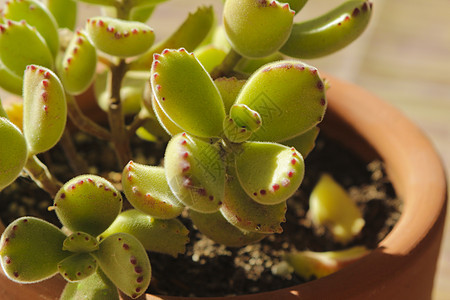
(33, 249)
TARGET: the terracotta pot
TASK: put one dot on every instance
(404, 264)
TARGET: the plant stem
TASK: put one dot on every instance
(42, 176)
(84, 123)
(78, 165)
(115, 115)
(227, 65)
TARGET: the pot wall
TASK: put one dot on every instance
(403, 265)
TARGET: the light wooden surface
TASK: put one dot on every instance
(404, 57)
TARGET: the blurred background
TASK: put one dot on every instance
(403, 57)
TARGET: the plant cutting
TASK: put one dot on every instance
(237, 131)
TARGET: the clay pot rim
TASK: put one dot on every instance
(416, 164)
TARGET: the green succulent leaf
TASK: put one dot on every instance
(31, 249)
(186, 93)
(241, 211)
(250, 66)
(257, 28)
(310, 264)
(195, 172)
(3, 113)
(331, 206)
(146, 189)
(189, 35)
(80, 242)
(244, 116)
(77, 267)
(36, 15)
(119, 37)
(64, 11)
(97, 286)
(124, 261)
(269, 173)
(88, 203)
(329, 32)
(16, 40)
(9, 81)
(235, 133)
(169, 126)
(13, 153)
(156, 235)
(229, 89)
(44, 109)
(142, 13)
(210, 57)
(305, 142)
(78, 64)
(288, 95)
(217, 228)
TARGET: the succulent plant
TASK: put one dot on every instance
(238, 118)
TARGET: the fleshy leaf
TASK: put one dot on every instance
(88, 203)
(289, 96)
(235, 133)
(44, 109)
(77, 267)
(16, 40)
(64, 11)
(332, 207)
(119, 37)
(146, 189)
(97, 286)
(269, 173)
(36, 15)
(305, 142)
(13, 153)
(241, 211)
(229, 89)
(330, 32)
(31, 249)
(170, 127)
(195, 172)
(124, 261)
(309, 264)
(156, 235)
(78, 64)
(186, 93)
(80, 242)
(257, 28)
(250, 66)
(9, 81)
(189, 35)
(210, 57)
(244, 116)
(217, 228)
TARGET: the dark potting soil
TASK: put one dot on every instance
(209, 269)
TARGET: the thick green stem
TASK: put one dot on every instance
(42, 176)
(84, 123)
(227, 65)
(116, 117)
